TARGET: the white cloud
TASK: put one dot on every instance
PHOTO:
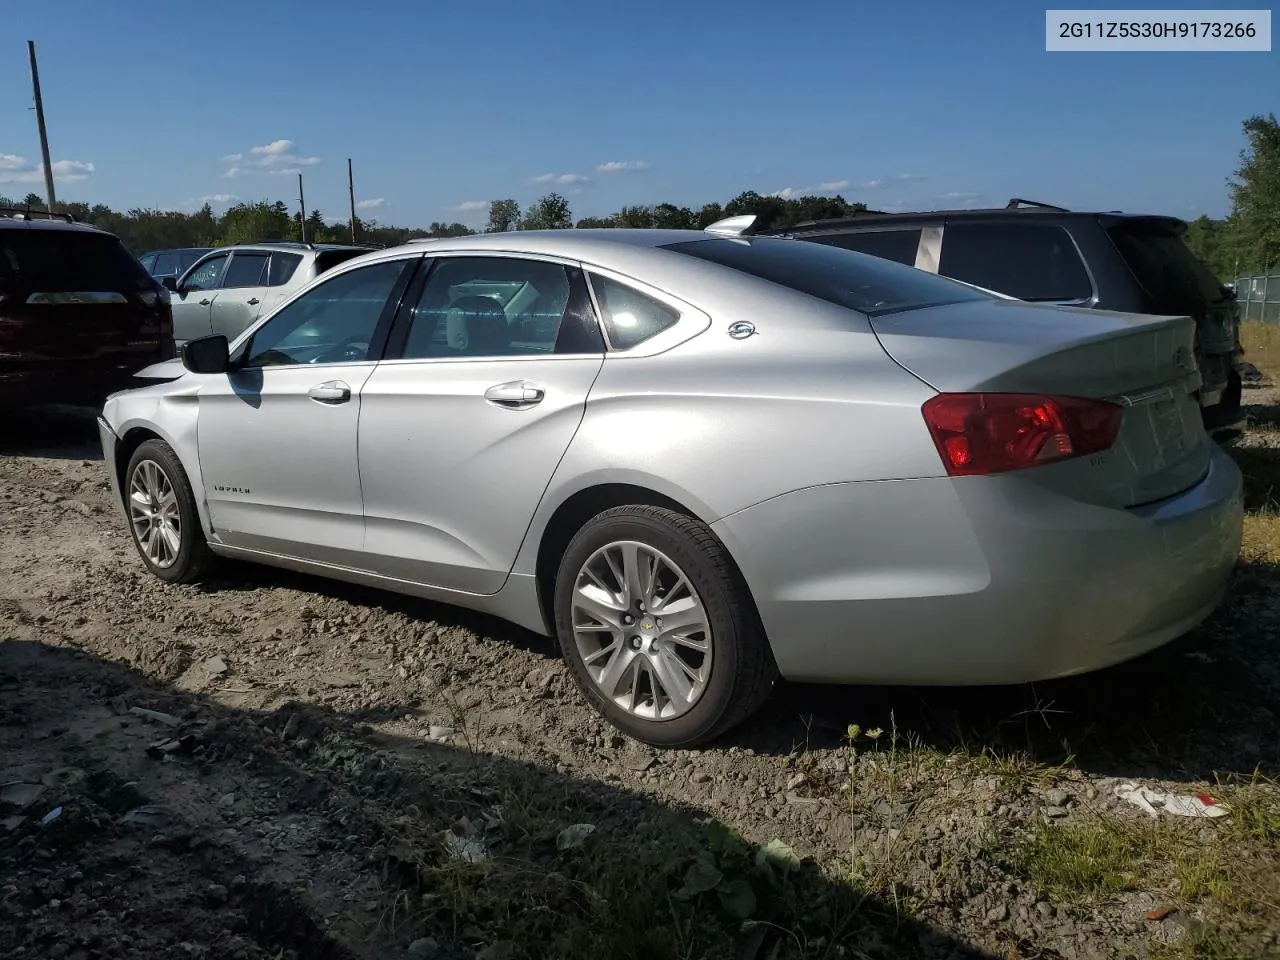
(623, 166)
(219, 198)
(372, 203)
(562, 179)
(469, 206)
(16, 169)
(881, 182)
(786, 193)
(278, 156)
(286, 172)
(831, 186)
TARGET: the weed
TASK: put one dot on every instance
(1074, 861)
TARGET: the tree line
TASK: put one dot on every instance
(1247, 240)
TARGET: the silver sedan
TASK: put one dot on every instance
(701, 460)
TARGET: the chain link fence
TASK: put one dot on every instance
(1259, 298)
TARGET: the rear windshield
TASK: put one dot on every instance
(1175, 279)
(67, 261)
(867, 284)
(328, 259)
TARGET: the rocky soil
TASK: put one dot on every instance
(270, 765)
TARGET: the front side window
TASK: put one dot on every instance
(168, 265)
(334, 322)
(246, 270)
(207, 275)
(897, 245)
(630, 317)
(866, 284)
(1030, 261)
(484, 307)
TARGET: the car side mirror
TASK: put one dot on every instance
(170, 283)
(206, 354)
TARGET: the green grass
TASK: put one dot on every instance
(1077, 861)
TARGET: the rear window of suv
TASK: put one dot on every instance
(1030, 261)
(1173, 276)
(867, 284)
(67, 261)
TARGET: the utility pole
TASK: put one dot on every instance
(351, 193)
(302, 204)
(49, 199)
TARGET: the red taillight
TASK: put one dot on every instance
(982, 433)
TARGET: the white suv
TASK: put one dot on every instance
(228, 288)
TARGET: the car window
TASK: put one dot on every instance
(168, 265)
(282, 268)
(334, 322)
(897, 245)
(68, 261)
(1030, 261)
(1176, 279)
(246, 270)
(630, 317)
(207, 275)
(490, 307)
(187, 258)
(148, 262)
(869, 285)
(328, 259)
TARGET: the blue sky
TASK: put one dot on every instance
(444, 106)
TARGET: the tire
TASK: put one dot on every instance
(741, 672)
(152, 460)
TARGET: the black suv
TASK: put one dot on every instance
(1047, 254)
(78, 314)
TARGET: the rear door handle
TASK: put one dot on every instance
(254, 302)
(515, 394)
(331, 392)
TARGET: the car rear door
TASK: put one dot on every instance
(195, 295)
(70, 294)
(241, 294)
(462, 426)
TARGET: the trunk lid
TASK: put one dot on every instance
(1146, 364)
(76, 296)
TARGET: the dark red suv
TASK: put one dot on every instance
(78, 313)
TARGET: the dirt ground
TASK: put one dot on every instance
(270, 765)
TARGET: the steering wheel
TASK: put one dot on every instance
(352, 350)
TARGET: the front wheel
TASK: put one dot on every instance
(162, 515)
(658, 629)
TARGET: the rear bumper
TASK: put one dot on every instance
(982, 580)
(74, 385)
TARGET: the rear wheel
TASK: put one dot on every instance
(658, 629)
(162, 515)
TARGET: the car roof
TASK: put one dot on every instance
(22, 223)
(291, 245)
(567, 243)
(1017, 208)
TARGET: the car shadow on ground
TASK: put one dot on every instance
(143, 821)
(51, 432)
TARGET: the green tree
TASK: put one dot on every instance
(549, 213)
(667, 216)
(709, 214)
(1255, 196)
(634, 218)
(596, 223)
(504, 215)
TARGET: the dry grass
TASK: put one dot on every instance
(1261, 342)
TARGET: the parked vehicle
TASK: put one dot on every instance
(78, 314)
(228, 289)
(171, 263)
(702, 461)
(1047, 254)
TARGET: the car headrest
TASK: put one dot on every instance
(477, 325)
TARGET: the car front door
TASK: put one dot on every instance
(240, 297)
(462, 425)
(277, 433)
(194, 296)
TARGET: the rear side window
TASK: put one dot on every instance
(629, 316)
(866, 284)
(246, 270)
(1030, 261)
(1173, 277)
(896, 245)
(282, 267)
(67, 261)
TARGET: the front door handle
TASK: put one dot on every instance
(333, 391)
(515, 394)
(205, 303)
(254, 302)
